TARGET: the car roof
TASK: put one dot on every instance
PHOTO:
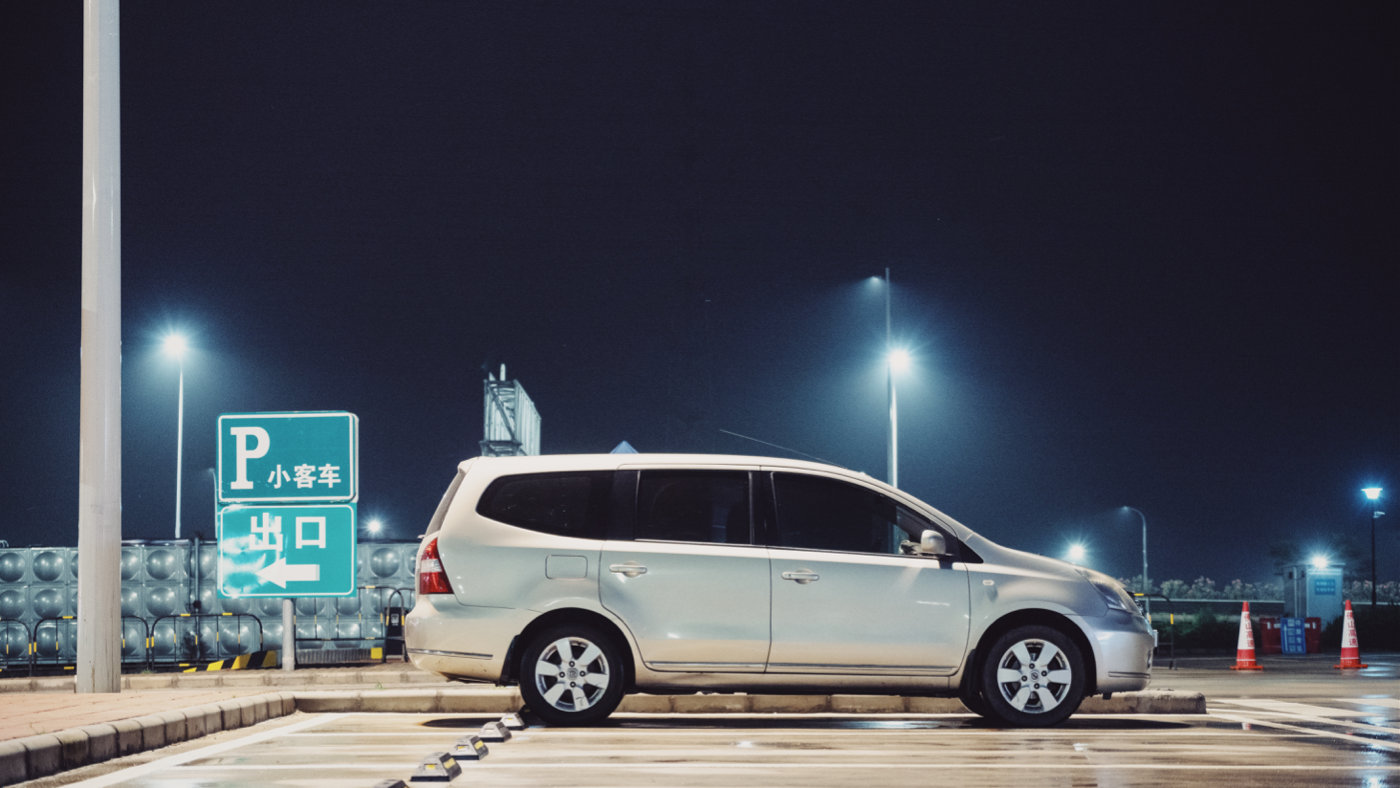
(606, 462)
(546, 463)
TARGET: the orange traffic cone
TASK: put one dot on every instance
(1351, 652)
(1244, 653)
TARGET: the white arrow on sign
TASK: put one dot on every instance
(281, 572)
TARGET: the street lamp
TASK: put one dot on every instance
(175, 347)
(896, 360)
(1075, 553)
(1146, 587)
(1373, 494)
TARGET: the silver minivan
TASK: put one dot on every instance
(585, 577)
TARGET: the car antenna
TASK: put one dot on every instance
(776, 446)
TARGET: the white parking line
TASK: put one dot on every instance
(1390, 703)
(789, 765)
(1244, 719)
(203, 752)
(1297, 709)
(1321, 715)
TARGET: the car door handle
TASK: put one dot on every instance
(803, 576)
(631, 569)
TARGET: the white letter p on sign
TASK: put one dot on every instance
(242, 453)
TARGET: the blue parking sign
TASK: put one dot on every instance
(304, 457)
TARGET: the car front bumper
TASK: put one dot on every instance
(1123, 645)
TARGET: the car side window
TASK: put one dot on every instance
(565, 504)
(693, 506)
(817, 513)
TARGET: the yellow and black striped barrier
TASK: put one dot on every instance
(258, 659)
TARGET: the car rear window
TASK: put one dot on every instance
(694, 506)
(435, 524)
(565, 504)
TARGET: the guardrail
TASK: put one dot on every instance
(331, 633)
(187, 645)
(1171, 630)
(9, 651)
(393, 614)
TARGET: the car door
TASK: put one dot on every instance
(844, 600)
(689, 584)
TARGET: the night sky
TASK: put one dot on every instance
(1144, 254)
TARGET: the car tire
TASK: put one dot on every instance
(1032, 677)
(572, 675)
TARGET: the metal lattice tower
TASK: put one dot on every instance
(512, 425)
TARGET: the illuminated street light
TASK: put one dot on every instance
(1146, 586)
(896, 360)
(374, 526)
(1076, 553)
(899, 359)
(175, 347)
(1319, 561)
(1373, 494)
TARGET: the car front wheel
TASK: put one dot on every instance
(1033, 676)
(571, 675)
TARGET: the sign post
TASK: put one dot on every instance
(288, 484)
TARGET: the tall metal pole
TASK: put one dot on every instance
(1146, 586)
(1373, 494)
(289, 634)
(99, 431)
(179, 445)
(893, 463)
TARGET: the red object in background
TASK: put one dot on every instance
(1312, 632)
(1270, 635)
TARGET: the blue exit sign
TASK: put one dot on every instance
(287, 551)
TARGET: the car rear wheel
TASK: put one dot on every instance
(571, 675)
(1032, 676)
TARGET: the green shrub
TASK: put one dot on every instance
(1376, 630)
(1204, 630)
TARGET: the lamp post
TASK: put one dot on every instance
(175, 347)
(1373, 494)
(896, 359)
(1146, 587)
(893, 461)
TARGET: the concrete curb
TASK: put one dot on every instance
(1146, 702)
(38, 756)
(234, 678)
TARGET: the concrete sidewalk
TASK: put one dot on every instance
(49, 728)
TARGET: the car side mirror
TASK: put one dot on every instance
(931, 542)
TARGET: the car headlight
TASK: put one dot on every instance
(1111, 590)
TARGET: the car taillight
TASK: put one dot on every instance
(431, 577)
